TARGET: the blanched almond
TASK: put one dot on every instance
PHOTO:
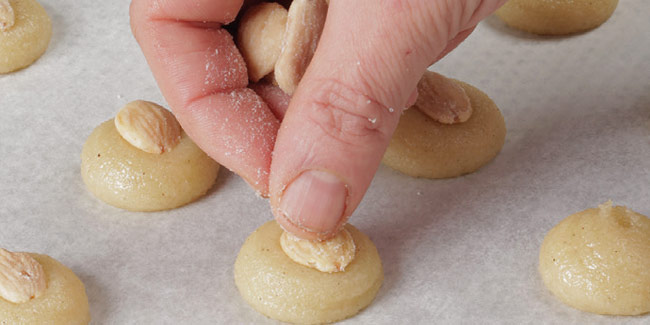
(304, 26)
(259, 38)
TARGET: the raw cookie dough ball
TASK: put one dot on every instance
(27, 36)
(598, 261)
(64, 301)
(422, 147)
(127, 177)
(284, 290)
(556, 17)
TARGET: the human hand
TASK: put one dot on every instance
(317, 163)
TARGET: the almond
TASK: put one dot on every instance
(442, 99)
(259, 38)
(305, 23)
(7, 16)
(331, 255)
(148, 127)
(21, 277)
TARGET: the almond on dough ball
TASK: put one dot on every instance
(25, 32)
(60, 299)
(149, 164)
(424, 147)
(276, 286)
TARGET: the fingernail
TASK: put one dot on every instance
(315, 201)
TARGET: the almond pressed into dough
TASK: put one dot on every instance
(423, 147)
(284, 290)
(126, 177)
(25, 41)
(64, 302)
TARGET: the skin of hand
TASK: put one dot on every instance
(315, 158)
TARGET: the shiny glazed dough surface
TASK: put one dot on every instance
(422, 147)
(284, 290)
(599, 261)
(556, 17)
(126, 177)
(27, 40)
(64, 302)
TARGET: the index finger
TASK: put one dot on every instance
(203, 77)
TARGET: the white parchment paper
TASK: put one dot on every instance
(462, 250)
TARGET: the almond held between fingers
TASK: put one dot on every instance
(304, 26)
(331, 255)
(7, 16)
(21, 277)
(148, 127)
(259, 38)
(442, 99)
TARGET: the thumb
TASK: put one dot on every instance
(343, 113)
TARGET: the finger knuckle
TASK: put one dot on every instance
(348, 115)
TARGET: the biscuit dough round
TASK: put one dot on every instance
(27, 39)
(126, 177)
(64, 302)
(284, 290)
(556, 17)
(422, 147)
(598, 261)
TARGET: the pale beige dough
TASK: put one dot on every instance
(556, 17)
(64, 302)
(422, 147)
(284, 290)
(126, 177)
(27, 39)
(598, 261)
